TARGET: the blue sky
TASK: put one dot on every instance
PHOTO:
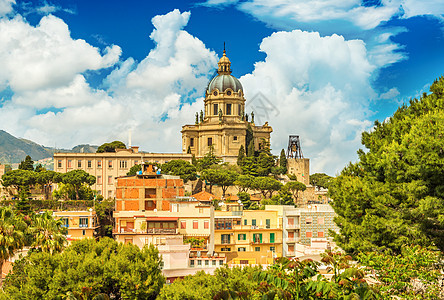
(91, 71)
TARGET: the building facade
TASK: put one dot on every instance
(223, 126)
(109, 165)
(80, 224)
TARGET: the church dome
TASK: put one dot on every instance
(224, 79)
(223, 82)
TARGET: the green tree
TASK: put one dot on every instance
(222, 177)
(284, 197)
(46, 178)
(265, 162)
(320, 180)
(283, 161)
(48, 233)
(134, 169)
(244, 183)
(39, 168)
(394, 194)
(249, 140)
(295, 187)
(111, 147)
(208, 160)
(27, 164)
(105, 266)
(12, 235)
(249, 166)
(181, 168)
(240, 155)
(104, 210)
(77, 179)
(266, 185)
(21, 180)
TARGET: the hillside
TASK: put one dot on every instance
(14, 150)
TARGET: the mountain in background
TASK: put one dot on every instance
(14, 150)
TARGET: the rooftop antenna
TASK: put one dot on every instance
(224, 47)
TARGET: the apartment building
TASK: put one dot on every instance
(248, 236)
(80, 224)
(109, 165)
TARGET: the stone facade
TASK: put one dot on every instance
(223, 125)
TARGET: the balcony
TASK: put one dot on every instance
(293, 226)
(162, 231)
(83, 225)
(292, 240)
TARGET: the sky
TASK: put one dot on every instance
(90, 72)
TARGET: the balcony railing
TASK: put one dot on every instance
(83, 225)
(162, 230)
(293, 240)
(293, 226)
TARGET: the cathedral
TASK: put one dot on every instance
(223, 123)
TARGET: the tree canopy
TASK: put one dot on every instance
(267, 185)
(221, 176)
(27, 164)
(394, 194)
(320, 180)
(181, 168)
(111, 147)
(117, 270)
(78, 178)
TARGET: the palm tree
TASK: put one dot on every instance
(48, 233)
(12, 235)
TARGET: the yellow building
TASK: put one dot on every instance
(80, 224)
(248, 236)
(224, 125)
(109, 165)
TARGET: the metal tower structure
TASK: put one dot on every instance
(294, 147)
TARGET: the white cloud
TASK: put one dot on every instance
(46, 56)
(321, 88)
(390, 94)
(414, 8)
(56, 105)
(6, 7)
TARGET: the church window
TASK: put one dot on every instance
(228, 109)
(239, 110)
(191, 142)
(210, 141)
(215, 93)
(234, 138)
(215, 109)
(229, 93)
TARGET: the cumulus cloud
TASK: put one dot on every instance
(321, 88)
(53, 104)
(390, 94)
(6, 7)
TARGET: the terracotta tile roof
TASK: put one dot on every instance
(204, 196)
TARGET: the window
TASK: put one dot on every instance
(213, 262)
(200, 210)
(321, 220)
(320, 234)
(150, 193)
(257, 249)
(223, 224)
(65, 222)
(225, 238)
(206, 224)
(215, 109)
(228, 112)
(69, 163)
(199, 262)
(207, 262)
(267, 223)
(245, 221)
(136, 162)
(243, 261)
(195, 224)
(241, 249)
(235, 138)
(253, 222)
(210, 142)
(192, 263)
(290, 221)
(110, 163)
(110, 180)
(272, 235)
(191, 142)
(123, 164)
(229, 93)
(257, 238)
(99, 164)
(99, 179)
(83, 222)
(83, 232)
(242, 237)
(308, 220)
(59, 164)
(183, 224)
(227, 249)
(150, 205)
(308, 234)
(89, 164)
(221, 262)
(79, 164)
(239, 110)
(272, 249)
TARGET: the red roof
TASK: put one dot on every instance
(204, 196)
